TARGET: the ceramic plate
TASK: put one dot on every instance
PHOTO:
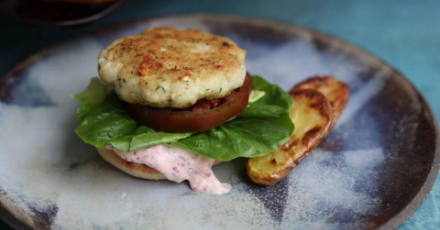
(371, 172)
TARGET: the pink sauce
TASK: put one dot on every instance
(179, 165)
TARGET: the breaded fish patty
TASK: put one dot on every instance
(167, 67)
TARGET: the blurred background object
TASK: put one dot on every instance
(57, 12)
(83, 1)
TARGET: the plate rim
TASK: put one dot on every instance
(8, 216)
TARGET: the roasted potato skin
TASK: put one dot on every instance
(335, 91)
(318, 104)
(273, 167)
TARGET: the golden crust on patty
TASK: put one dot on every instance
(167, 67)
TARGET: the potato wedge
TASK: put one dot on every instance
(319, 102)
(312, 115)
(335, 91)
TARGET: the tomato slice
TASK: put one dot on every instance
(202, 116)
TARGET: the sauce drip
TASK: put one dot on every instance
(178, 165)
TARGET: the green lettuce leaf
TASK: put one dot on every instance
(261, 128)
(92, 96)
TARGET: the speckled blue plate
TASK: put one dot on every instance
(371, 172)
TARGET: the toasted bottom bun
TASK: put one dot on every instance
(134, 169)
